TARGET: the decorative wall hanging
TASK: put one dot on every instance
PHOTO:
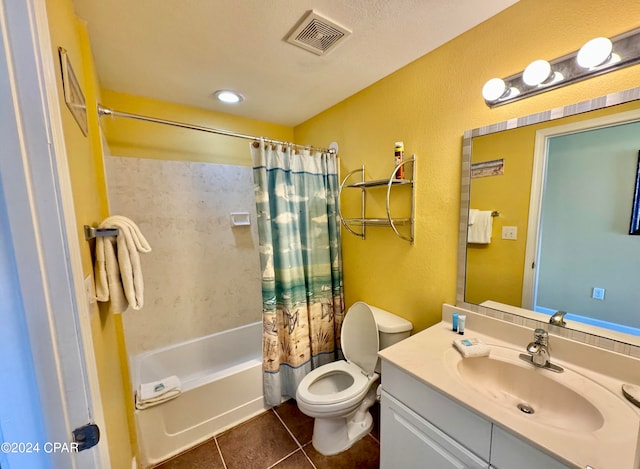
(73, 97)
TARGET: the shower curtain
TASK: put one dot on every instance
(296, 199)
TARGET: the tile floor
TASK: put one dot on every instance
(279, 438)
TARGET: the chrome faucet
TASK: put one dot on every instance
(539, 354)
(539, 348)
(557, 319)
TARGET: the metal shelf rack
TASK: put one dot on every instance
(358, 226)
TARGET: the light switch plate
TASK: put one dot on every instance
(598, 293)
(510, 232)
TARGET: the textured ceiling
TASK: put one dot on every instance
(183, 50)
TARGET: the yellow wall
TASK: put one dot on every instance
(495, 271)
(139, 139)
(428, 104)
(491, 267)
(88, 184)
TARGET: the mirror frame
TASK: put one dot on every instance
(634, 226)
(611, 340)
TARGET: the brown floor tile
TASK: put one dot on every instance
(364, 454)
(299, 424)
(296, 461)
(263, 441)
(204, 456)
(256, 444)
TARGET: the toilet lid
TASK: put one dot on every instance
(360, 337)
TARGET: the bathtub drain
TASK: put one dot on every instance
(527, 409)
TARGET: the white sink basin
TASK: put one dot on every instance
(580, 416)
(539, 395)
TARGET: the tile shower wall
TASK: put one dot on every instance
(202, 275)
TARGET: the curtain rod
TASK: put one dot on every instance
(104, 111)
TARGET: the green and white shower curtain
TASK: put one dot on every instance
(296, 199)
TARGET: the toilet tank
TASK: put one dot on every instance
(391, 328)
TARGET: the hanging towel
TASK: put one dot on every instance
(157, 392)
(480, 226)
(117, 267)
(473, 213)
(107, 275)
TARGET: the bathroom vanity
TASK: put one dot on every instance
(441, 410)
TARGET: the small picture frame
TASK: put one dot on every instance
(73, 96)
(634, 227)
(487, 168)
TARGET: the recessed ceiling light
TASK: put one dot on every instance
(228, 96)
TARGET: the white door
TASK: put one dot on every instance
(49, 380)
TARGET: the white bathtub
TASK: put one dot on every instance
(221, 377)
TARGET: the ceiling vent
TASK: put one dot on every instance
(317, 34)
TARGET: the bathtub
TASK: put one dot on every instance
(221, 376)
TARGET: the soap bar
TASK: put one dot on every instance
(472, 348)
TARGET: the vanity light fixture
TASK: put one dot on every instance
(537, 72)
(228, 96)
(595, 52)
(598, 56)
(496, 88)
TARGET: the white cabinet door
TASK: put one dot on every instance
(509, 451)
(408, 441)
(457, 421)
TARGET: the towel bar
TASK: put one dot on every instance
(90, 232)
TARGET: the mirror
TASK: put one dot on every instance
(509, 185)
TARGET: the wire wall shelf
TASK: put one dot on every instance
(358, 225)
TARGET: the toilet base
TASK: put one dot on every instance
(335, 435)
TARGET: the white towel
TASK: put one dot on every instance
(480, 226)
(473, 213)
(117, 267)
(157, 392)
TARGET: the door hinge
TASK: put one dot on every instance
(86, 436)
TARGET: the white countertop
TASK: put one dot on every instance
(430, 357)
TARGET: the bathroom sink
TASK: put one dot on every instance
(551, 399)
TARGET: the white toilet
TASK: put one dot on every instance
(339, 394)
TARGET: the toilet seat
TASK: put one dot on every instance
(338, 395)
(358, 386)
(359, 337)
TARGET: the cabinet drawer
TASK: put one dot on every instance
(462, 424)
(408, 441)
(508, 451)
